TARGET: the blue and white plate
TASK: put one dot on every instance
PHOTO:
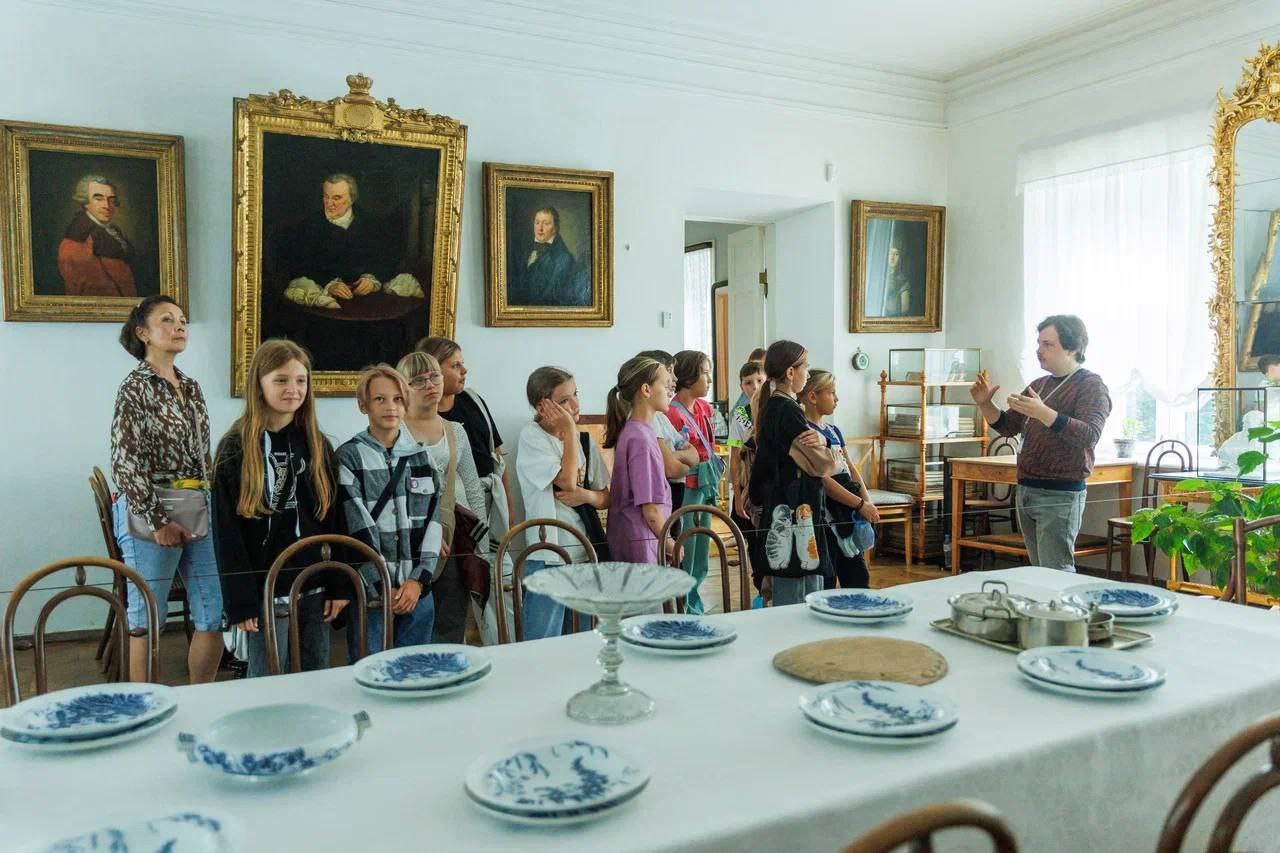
(1137, 618)
(874, 740)
(274, 741)
(1121, 599)
(182, 832)
(467, 683)
(879, 708)
(77, 743)
(645, 648)
(859, 603)
(676, 632)
(94, 709)
(558, 817)
(858, 621)
(1088, 668)
(540, 780)
(1081, 693)
(419, 667)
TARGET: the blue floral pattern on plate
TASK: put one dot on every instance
(859, 605)
(549, 775)
(97, 709)
(184, 832)
(273, 741)
(1119, 599)
(421, 667)
(879, 708)
(1089, 668)
(676, 632)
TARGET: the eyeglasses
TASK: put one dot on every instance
(422, 380)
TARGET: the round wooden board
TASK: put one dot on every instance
(870, 658)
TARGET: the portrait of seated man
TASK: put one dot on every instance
(547, 273)
(95, 257)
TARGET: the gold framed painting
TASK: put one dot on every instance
(895, 267)
(92, 220)
(348, 214)
(549, 246)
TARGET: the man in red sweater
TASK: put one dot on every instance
(1060, 417)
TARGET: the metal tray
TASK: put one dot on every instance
(1122, 638)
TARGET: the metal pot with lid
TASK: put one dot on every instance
(992, 613)
(1053, 624)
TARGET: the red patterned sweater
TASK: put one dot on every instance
(1060, 456)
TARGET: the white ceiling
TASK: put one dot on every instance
(935, 38)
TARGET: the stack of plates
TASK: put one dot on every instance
(676, 635)
(420, 672)
(182, 832)
(1127, 602)
(880, 712)
(554, 781)
(1092, 672)
(858, 606)
(88, 717)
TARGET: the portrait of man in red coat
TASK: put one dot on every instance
(95, 257)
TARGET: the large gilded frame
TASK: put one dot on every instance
(1257, 97)
(498, 178)
(354, 117)
(17, 141)
(935, 218)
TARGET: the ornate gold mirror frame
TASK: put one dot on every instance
(1257, 97)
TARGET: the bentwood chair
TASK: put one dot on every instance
(1265, 731)
(916, 828)
(500, 587)
(1166, 455)
(996, 502)
(118, 606)
(267, 624)
(177, 592)
(722, 551)
(1238, 587)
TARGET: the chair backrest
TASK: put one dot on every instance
(1166, 455)
(689, 531)
(267, 624)
(1266, 730)
(517, 570)
(102, 501)
(116, 602)
(1003, 445)
(862, 452)
(1238, 586)
(917, 827)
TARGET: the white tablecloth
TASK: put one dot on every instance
(734, 766)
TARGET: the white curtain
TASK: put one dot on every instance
(1126, 247)
(699, 275)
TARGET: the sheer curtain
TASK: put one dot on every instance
(699, 275)
(1125, 247)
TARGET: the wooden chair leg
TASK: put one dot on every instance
(1111, 550)
(906, 525)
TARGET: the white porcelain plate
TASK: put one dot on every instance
(1121, 599)
(645, 648)
(430, 692)
(1085, 694)
(94, 709)
(879, 708)
(874, 740)
(274, 741)
(421, 667)
(194, 831)
(37, 743)
(859, 603)
(858, 621)
(1140, 618)
(1089, 668)
(545, 777)
(679, 631)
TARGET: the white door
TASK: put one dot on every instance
(746, 299)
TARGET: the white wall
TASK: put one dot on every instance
(664, 145)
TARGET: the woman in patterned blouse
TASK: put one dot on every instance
(160, 433)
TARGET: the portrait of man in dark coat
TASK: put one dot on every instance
(548, 274)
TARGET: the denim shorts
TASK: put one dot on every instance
(157, 565)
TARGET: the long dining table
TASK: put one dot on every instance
(734, 766)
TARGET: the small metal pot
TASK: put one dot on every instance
(1053, 624)
(1102, 625)
(992, 615)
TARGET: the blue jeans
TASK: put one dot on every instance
(407, 629)
(158, 564)
(544, 617)
(313, 638)
(1050, 522)
(793, 590)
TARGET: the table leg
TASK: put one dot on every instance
(1126, 498)
(957, 521)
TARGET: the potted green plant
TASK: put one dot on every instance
(1129, 431)
(1203, 538)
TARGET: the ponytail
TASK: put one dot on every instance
(634, 374)
(781, 356)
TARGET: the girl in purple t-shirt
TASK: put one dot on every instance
(639, 495)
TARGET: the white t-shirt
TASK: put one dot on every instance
(537, 466)
(667, 432)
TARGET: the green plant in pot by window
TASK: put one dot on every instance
(1203, 538)
(1130, 429)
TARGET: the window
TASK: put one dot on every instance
(699, 275)
(1115, 230)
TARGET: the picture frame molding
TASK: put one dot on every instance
(935, 218)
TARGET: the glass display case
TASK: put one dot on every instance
(935, 421)
(1226, 415)
(935, 366)
(903, 475)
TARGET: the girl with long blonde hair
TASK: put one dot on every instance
(273, 484)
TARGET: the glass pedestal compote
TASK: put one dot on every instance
(610, 592)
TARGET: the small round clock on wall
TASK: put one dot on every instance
(861, 361)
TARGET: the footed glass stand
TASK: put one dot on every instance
(610, 591)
